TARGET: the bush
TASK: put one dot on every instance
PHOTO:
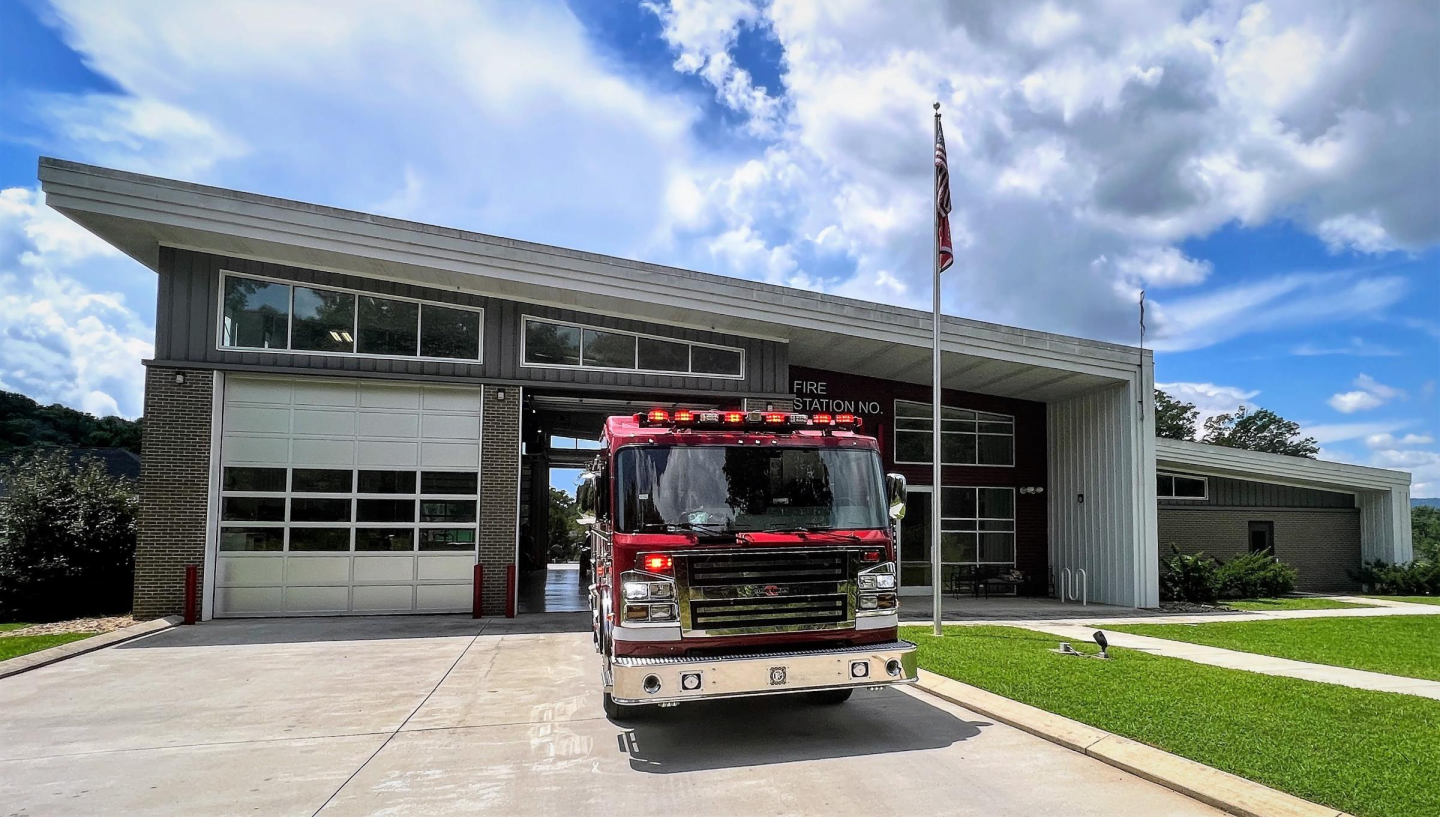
(67, 540)
(1407, 579)
(1188, 578)
(1255, 576)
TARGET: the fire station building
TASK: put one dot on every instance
(346, 413)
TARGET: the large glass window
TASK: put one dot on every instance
(717, 489)
(388, 327)
(449, 333)
(557, 344)
(324, 321)
(966, 437)
(257, 314)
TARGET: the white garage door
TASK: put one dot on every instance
(346, 497)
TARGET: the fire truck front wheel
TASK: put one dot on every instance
(829, 697)
(617, 711)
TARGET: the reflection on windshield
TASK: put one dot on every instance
(725, 488)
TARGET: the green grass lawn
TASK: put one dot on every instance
(1263, 605)
(1396, 645)
(16, 645)
(1372, 754)
(1411, 599)
(14, 625)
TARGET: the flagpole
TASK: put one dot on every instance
(936, 587)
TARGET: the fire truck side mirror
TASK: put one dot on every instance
(587, 497)
(895, 492)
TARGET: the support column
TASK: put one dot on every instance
(499, 490)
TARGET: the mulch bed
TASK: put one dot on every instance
(103, 624)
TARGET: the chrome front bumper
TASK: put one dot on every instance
(662, 680)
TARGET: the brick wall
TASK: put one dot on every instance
(174, 488)
(1321, 544)
(499, 491)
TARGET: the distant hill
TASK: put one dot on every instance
(1432, 502)
(25, 423)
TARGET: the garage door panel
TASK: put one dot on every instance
(255, 390)
(253, 450)
(261, 419)
(451, 427)
(466, 401)
(399, 397)
(388, 425)
(450, 455)
(317, 569)
(384, 598)
(250, 600)
(442, 568)
(317, 393)
(317, 599)
(436, 597)
(375, 453)
(250, 570)
(307, 451)
(325, 421)
(384, 568)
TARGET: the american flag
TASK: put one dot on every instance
(942, 199)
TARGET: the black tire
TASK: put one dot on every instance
(829, 697)
(617, 712)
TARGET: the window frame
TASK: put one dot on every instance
(896, 431)
(526, 320)
(221, 346)
(1204, 480)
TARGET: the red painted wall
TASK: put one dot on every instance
(874, 399)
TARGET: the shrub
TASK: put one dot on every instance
(67, 540)
(1188, 578)
(1255, 576)
(1407, 579)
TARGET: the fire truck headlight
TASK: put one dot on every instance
(637, 612)
(662, 612)
(635, 591)
(867, 581)
(662, 590)
(868, 603)
(884, 581)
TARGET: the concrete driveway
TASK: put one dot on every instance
(439, 715)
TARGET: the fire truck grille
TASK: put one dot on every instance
(767, 568)
(784, 611)
(767, 592)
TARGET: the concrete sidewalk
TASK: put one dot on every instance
(1383, 607)
(1250, 662)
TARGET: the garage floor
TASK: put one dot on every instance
(442, 715)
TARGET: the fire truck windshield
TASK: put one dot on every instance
(712, 489)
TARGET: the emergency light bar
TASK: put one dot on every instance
(773, 420)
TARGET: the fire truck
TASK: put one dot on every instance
(742, 553)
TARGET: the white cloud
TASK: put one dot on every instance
(1355, 346)
(60, 340)
(1209, 399)
(701, 32)
(1326, 433)
(1377, 388)
(1390, 441)
(1352, 401)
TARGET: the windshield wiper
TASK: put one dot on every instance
(702, 527)
(825, 529)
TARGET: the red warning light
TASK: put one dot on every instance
(684, 417)
(774, 418)
(658, 416)
(845, 420)
(657, 562)
(822, 419)
(735, 417)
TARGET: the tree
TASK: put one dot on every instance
(1174, 419)
(563, 529)
(25, 424)
(1262, 430)
(67, 539)
(1425, 531)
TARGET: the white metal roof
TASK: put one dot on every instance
(1216, 460)
(138, 214)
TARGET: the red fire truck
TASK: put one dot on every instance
(742, 553)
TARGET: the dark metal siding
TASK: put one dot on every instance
(187, 321)
(1239, 493)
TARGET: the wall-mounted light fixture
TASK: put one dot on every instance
(499, 394)
(179, 378)
(1037, 489)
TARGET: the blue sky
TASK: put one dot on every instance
(1269, 172)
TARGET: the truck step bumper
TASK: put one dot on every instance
(670, 680)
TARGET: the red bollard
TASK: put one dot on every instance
(477, 602)
(509, 591)
(192, 584)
